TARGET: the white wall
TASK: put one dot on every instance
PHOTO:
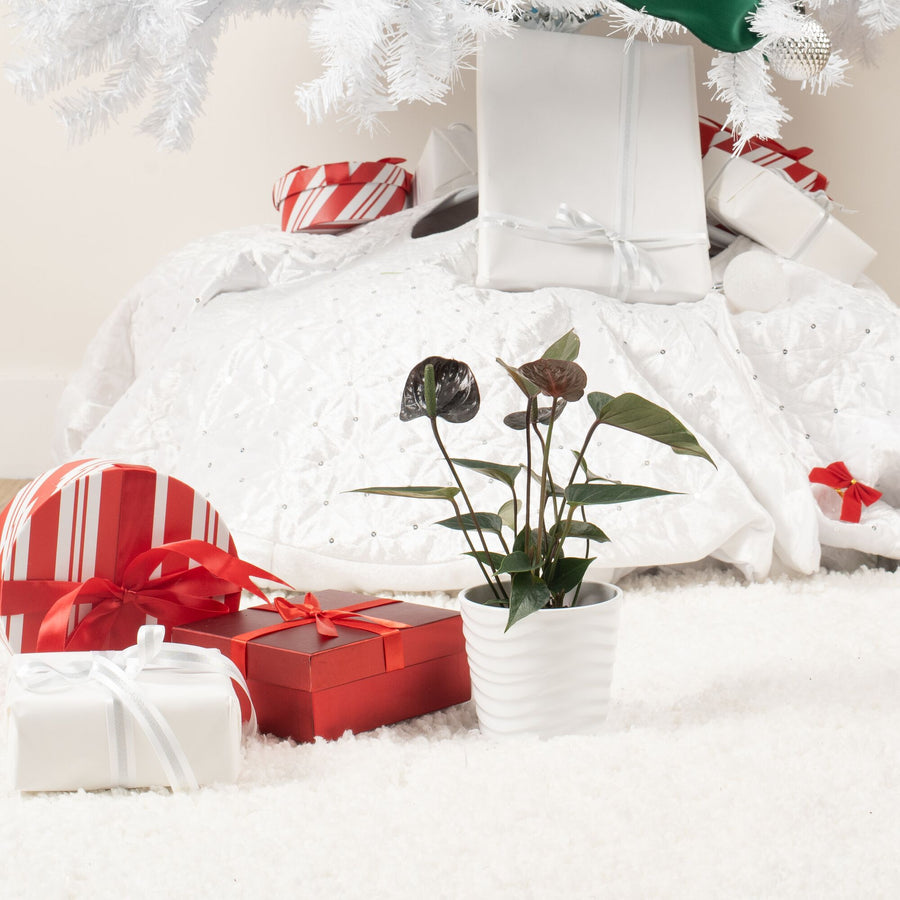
(80, 225)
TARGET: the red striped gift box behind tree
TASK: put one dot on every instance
(338, 196)
(764, 152)
(88, 518)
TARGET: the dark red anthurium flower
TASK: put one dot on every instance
(557, 378)
(455, 389)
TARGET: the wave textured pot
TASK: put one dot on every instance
(551, 673)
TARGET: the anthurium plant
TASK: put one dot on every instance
(521, 548)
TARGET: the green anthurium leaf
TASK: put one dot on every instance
(588, 474)
(528, 594)
(518, 421)
(586, 494)
(492, 560)
(584, 531)
(519, 542)
(631, 412)
(508, 513)
(419, 493)
(567, 573)
(517, 561)
(528, 388)
(485, 521)
(566, 347)
(552, 490)
(506, 474)
(597, 400)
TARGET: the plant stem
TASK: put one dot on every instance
(466, 535)
(550, 481)
(528, 473)
(465, 496)
(580, 458)
(560, 537)
(515, 511)
(545, 468)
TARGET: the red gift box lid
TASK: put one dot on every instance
(302, 659)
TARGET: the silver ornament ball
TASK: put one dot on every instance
(803, 56)
(539, 17)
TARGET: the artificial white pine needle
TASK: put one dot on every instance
(376, 54)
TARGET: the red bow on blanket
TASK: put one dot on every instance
(855, 494)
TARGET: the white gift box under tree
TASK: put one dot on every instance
(448, 164)
(589, 167)
(767, 207)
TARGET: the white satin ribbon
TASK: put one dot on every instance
(574, 226)
(820, 198)
(117, 671)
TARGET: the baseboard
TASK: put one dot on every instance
(29, 405)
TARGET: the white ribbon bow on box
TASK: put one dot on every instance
(574, 226)
(117, 671)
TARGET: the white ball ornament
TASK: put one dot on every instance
(754, 281)
(802, 56)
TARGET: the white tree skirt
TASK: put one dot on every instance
(751, 751)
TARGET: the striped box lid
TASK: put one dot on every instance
(337, 196)
(90, 518)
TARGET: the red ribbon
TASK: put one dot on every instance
(310, 611)
(173, 599)
(855, 494)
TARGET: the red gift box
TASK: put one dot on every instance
(93, 549)
(338, 196)
(361, 662)
(764, 152)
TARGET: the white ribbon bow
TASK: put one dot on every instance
(117, 671)
(574, 226)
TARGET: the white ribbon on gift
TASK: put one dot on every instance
(574, 226)
(117, 671)
(820, 198)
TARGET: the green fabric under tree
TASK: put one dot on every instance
(720, 23)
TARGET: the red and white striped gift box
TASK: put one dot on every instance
(764, 152)
(90, 518)
(338, 196)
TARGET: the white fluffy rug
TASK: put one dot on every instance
(753, 750)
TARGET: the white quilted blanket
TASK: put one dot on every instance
(266, 370)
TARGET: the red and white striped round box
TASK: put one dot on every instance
(338, 196)
(764, 152)
(90, 518)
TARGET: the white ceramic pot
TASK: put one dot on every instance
(551, 673)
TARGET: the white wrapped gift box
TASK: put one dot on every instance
(448, 164)
(156, 714)
(795, 224)
(589, 167)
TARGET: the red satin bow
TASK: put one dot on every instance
(309, 611)
(855, 494)
(173, 599)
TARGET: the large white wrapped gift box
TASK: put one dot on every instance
(770, 209)
(589, 167)
(156, 714)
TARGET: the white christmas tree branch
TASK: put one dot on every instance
(376, 54)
